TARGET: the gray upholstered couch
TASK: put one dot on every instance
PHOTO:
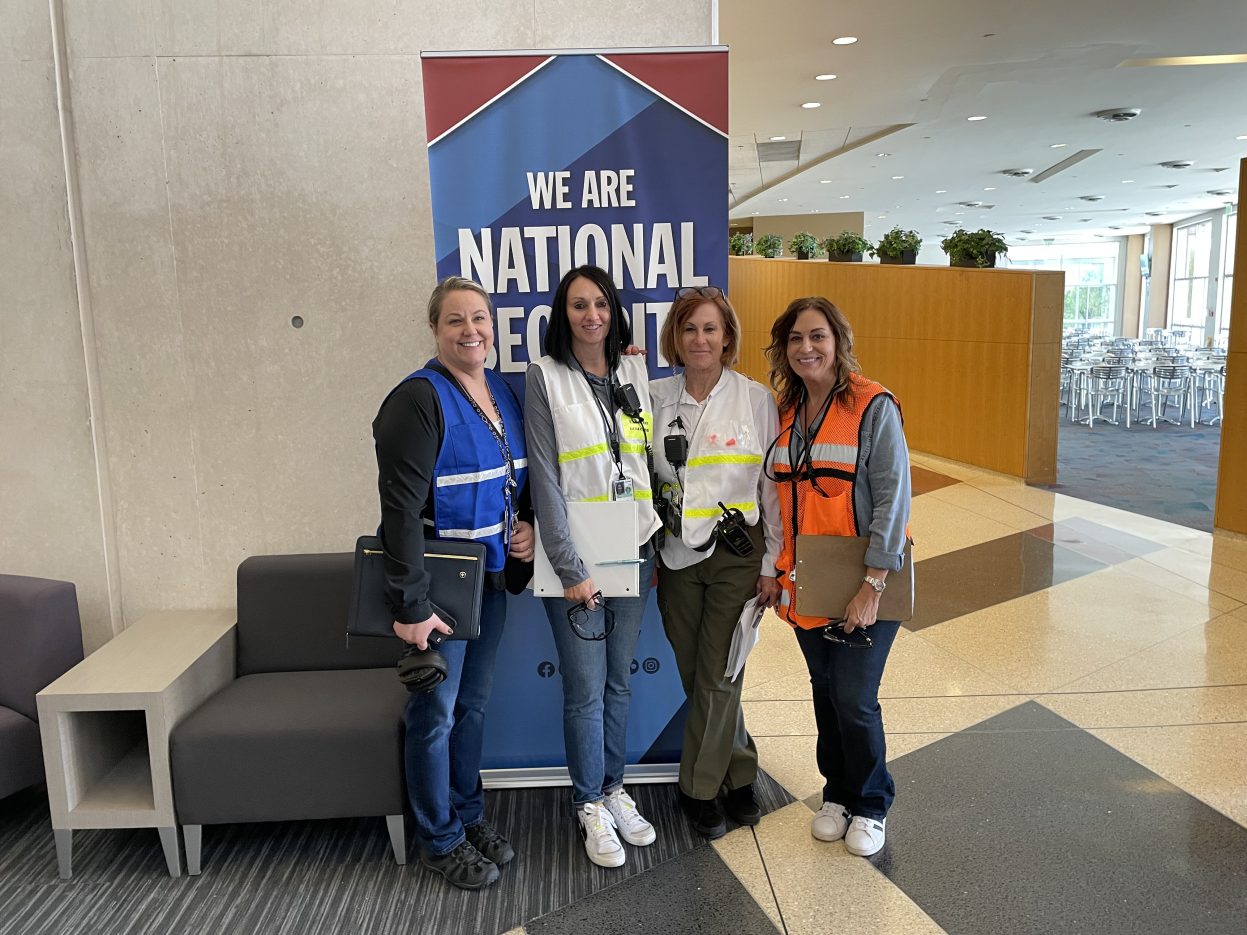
(309, 728)
(40, 640)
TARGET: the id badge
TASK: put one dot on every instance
(621, 488)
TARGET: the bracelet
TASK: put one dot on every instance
(875, 583)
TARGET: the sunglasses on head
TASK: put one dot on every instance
(706, 292)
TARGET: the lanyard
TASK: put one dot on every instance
(608, 423)
(499, 433)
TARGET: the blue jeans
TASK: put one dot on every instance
(852, 753)
(597, 689)
(445, 730)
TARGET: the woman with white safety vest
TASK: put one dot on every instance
(452, 465)
(842, 468)
(589, 422)
(722, 539)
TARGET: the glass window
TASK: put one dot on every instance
(1090, 279)
(1227, 279)
(1188, 293)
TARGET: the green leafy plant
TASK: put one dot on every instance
(768, 245)
(846, 244)
(974, 248)
(896, 242)
(804, 244)
(740, 244)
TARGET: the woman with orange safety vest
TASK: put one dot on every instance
(842, 466)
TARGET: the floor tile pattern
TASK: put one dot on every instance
(1026, 824)
(1066, 721)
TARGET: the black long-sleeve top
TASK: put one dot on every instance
(408, 432)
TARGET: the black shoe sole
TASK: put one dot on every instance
(751, 819)
(489, 877)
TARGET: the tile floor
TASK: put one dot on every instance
(1067, 727)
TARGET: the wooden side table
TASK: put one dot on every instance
(106, 722)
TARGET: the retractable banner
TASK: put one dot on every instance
(540, 162)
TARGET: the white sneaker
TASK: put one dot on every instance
(830, 822)
(865, 836)
(632, 827)
(598, 827)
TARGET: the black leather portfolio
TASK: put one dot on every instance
(456, 580)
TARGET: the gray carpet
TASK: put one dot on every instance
(316, 877)
(1169, 473)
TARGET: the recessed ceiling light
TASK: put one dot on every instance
(941, 191)
(844, 196)
(897, 178)
(883, 155)
(824, 181)
(1127, 181)
(777, 139)
(755, 212)
(844, 40)
(977, 117)
(824, 77)
(880, 217)
(1243, 137)
(990, 188)
(810, 105)
(783, 199)
(1058, 145)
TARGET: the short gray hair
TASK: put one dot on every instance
(454, 284)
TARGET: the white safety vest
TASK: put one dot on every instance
(724, 454)
(586, 467)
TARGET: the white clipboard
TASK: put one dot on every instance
(605, 535)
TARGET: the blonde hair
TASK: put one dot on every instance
(454, 284)
(682, 310)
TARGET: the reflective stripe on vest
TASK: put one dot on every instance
(829, 509)
(724, 456)
(586, 468)
(469, 476)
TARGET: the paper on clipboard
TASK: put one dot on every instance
(605, 535)
(744, 638)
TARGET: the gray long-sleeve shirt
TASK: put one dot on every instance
(544, 476)
(881, 496)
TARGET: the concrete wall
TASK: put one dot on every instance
(240, 164)
(50, 515)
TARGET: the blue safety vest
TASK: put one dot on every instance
(469, 478)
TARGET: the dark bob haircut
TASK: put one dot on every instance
(559, 332)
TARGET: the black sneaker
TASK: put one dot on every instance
(741, 806)
(706, 816)
(465, 867)
(486, 839)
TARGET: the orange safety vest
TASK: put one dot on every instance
(828, 509)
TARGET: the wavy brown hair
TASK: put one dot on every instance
(786, 383)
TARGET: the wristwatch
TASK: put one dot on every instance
(875, 583)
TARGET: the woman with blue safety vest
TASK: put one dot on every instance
(714, 425)
(588, 436)
(452, 464)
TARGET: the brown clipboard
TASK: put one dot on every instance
(829, 573)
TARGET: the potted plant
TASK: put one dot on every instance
(768, 245)
(974, 248)
(804, 246)
(899, 246)
(847, 247)
(740, 244)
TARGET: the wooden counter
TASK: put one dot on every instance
(973, 355)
